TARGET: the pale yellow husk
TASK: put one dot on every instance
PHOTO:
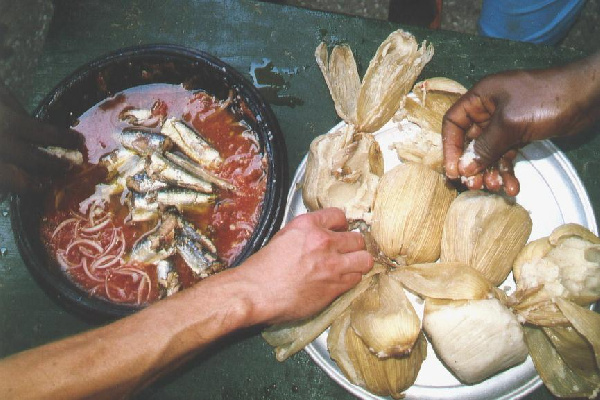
(343, 170)
(454, 281)
(566, 263)
(391, 74)
(383, 377)
(420, 121)
(408, 213)
(559, 377)
(292, 337)
(384, 318)
(474, 338)
(485, 231)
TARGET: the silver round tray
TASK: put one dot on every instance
(553, 194)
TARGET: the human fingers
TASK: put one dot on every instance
(355, 262)
(492, 179)
(330, 218)
(487, 148)
(44, 134)
(14, 179)
(347, 242)
(462, 120)
(31, 159)
(510, 181)
(473, 182)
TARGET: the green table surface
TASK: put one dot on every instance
(274, 46)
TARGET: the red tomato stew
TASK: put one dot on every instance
(170, 192)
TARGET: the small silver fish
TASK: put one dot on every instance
(144, 142)
(197, 250)
(117, 160)
(183, 198)
(201, 262)
(168, 278)
(157, 244)
(142, 206)
(143, 183)
(158, 167)
(198, 170)
(191, 143)
(188, 229)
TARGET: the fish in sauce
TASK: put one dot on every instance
(170, 191)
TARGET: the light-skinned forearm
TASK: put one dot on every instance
(304, 267)
(117, 360)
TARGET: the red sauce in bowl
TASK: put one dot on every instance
(84, 251)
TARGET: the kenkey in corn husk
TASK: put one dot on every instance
(557, 278)
(486, 231)
(409, 211)
(344, 167)
(470, 328)
(377, 342)
(419, 121)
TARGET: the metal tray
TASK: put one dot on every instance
(553, 194)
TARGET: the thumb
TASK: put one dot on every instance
(486, 149)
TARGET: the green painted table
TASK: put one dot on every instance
(273, 45)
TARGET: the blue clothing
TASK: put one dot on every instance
(536, 21)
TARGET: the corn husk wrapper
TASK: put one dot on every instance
(383, 377)
(574, 349)
(566, 264)
(408, 213)
(585, 321)
(559, 377)
(343, 168)
(453, 281)
(486, 232)
(384, 318)
(290, 338)
(425, 109)
(391, 74)
(474, 338)
(534, 307)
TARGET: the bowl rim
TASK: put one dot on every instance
(73, 298)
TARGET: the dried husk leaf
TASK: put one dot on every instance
(343, 169)
(474, 338)
(384, 318)
(383, 377)
(566, 264)
(485, 231)
(433, 97)
(558, 376)
(408, 212)
(390, 76)
(341, 75)
(572, 230)
(419, 121)
(292, 337)
(585, 321)
(454, 281)
(575, 350)
(438, 84)
(537, 309)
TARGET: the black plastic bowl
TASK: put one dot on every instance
(114, 73)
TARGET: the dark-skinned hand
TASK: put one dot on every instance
(23, 166)
(504, 112)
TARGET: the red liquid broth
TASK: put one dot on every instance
(229, 223)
